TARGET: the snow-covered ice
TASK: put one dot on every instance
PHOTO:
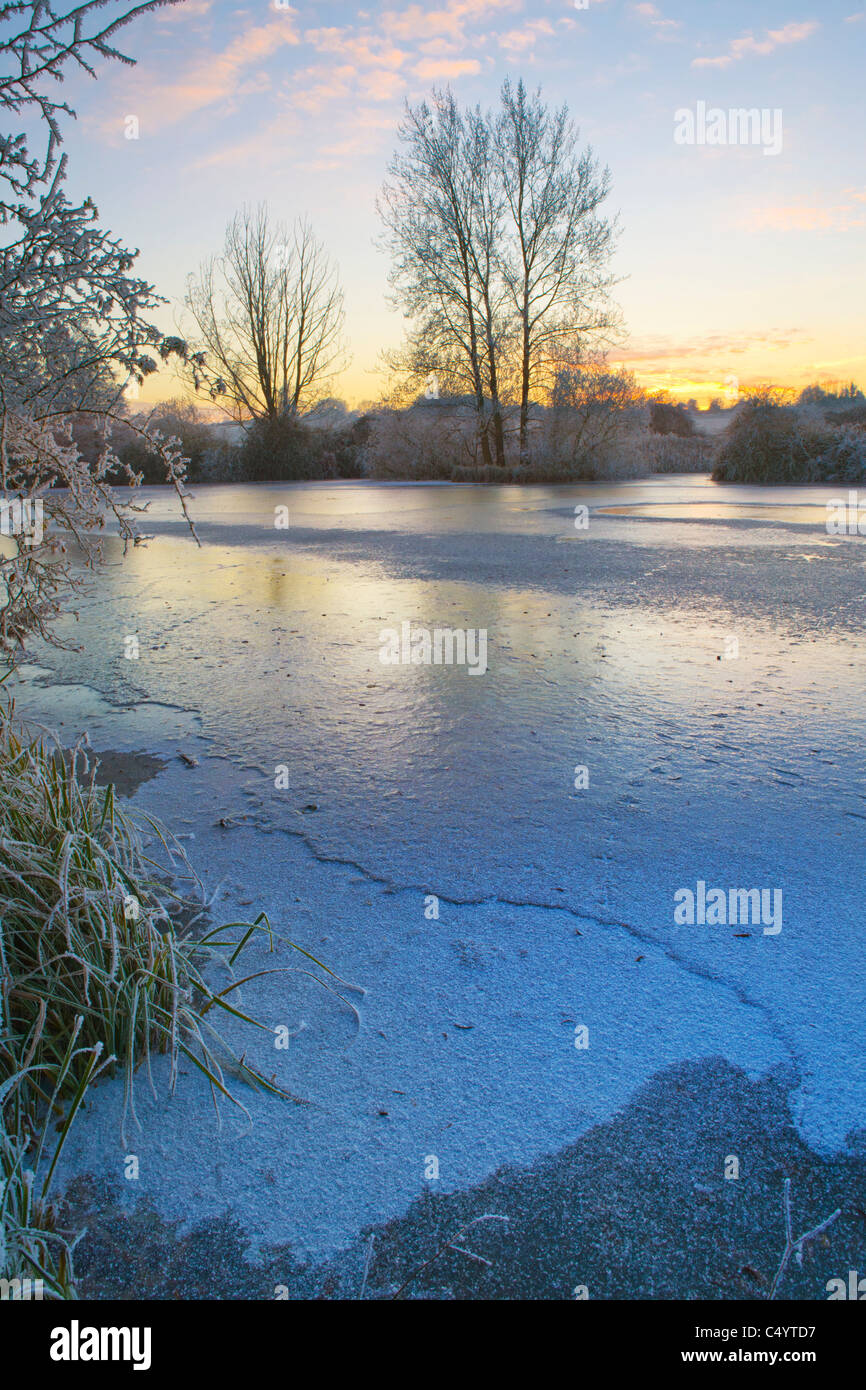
(609, 648)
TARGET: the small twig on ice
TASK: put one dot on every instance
(461, 1250)
(366, 1267)
(449, 1244)
(792, 1246)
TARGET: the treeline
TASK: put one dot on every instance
(596, 422)
(282, 449)
(599, 424)
(500, 245)
(285, 448)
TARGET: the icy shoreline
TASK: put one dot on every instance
(556, 906)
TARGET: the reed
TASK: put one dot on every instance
(102, 966)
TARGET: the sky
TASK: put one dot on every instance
(739, 262)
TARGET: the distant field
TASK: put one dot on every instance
(712, 424)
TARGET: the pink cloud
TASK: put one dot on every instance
(519, 40)
(712, 346)
(653, 15)
(382, 85)
(212, 78)
(748, 46)
(188, 9)
(800, 217)
(317, 87)
(433, 69)
(416, 22)
(364, 49)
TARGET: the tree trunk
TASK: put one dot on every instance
(524, 386)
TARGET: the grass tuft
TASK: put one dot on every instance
(101, 967)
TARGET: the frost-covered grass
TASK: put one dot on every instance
(771, 441)
(669, 453)
(100, 969)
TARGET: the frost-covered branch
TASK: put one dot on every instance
(75, 329)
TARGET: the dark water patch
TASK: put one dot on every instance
(127, 771)
(638, 1208)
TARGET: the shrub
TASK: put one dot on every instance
(855, 416)
(175, 419)
(667, 418)
(585, 431)
(424, 442)
(844, 457)
(280, 450)
(767, 441)
(286, 449)
(223, 463)
(349, 445)
(489, 473)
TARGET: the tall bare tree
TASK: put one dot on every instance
(499, 252)
(269, 316)
(488, 206)
(432, 209)
(555, 261)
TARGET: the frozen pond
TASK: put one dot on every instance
(673, 695)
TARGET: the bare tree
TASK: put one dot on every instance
(269, 314)
(554, 263)
(430, 207)
(488, 208)
(499, 253)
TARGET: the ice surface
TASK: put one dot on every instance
(607, 648)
